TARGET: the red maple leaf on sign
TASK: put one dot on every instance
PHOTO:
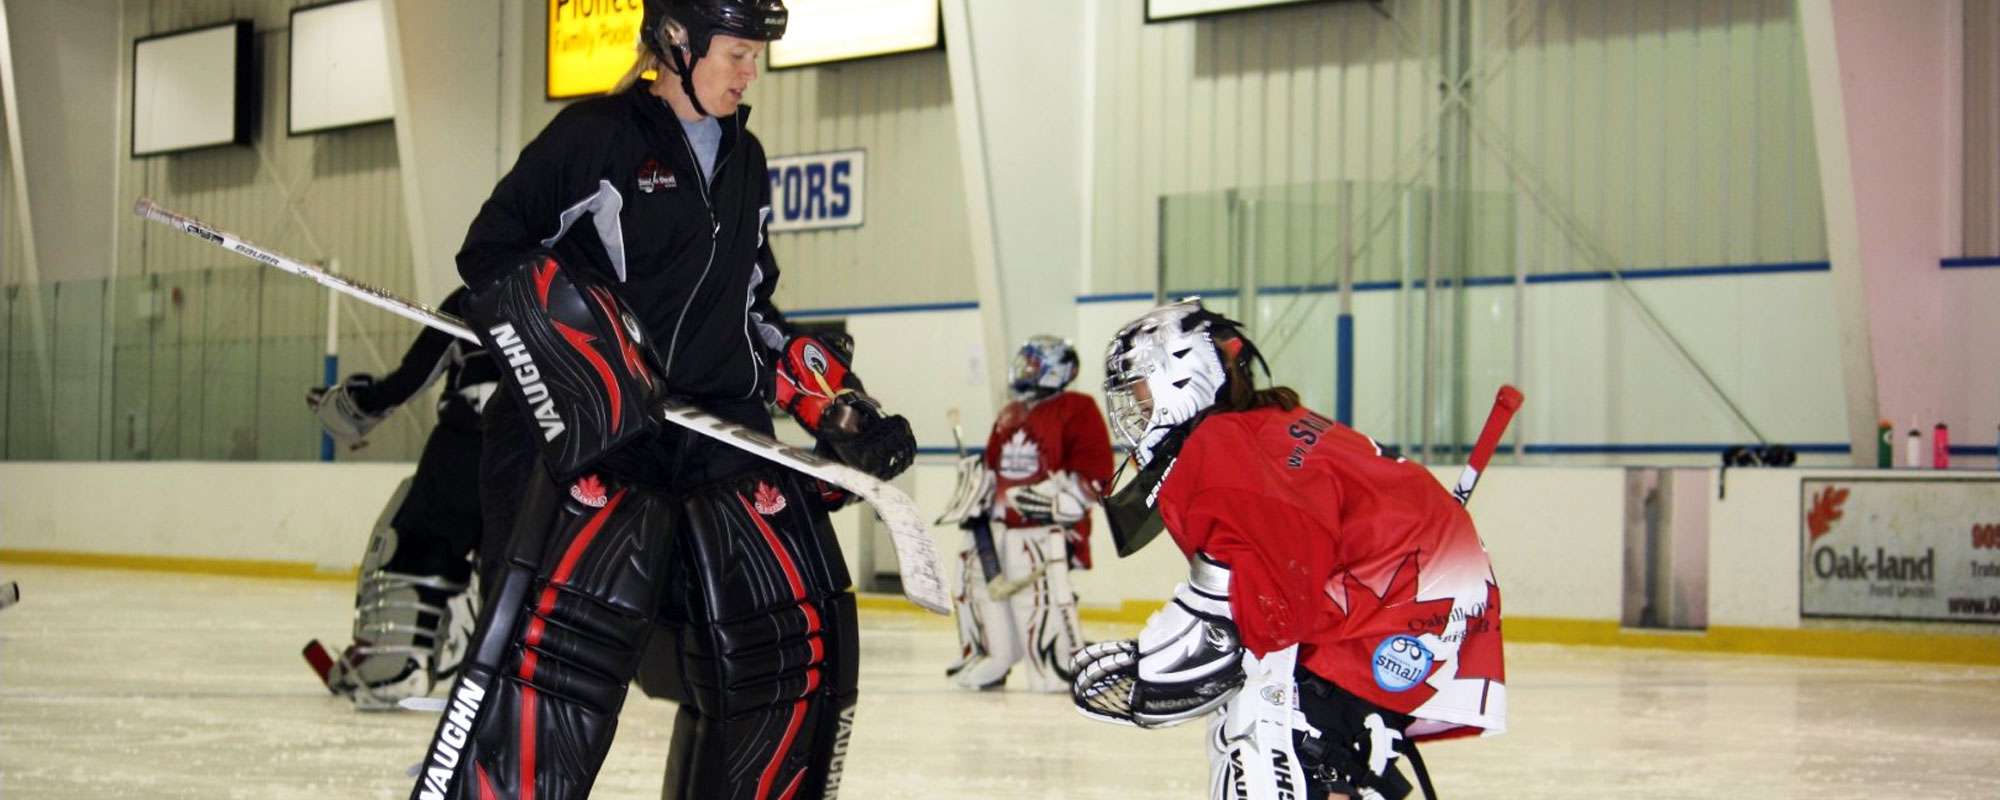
(1825, 509)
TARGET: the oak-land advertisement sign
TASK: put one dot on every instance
(1919, 549)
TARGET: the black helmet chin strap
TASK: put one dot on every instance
(678, 63)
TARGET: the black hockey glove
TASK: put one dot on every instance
(853, 431)
(820, 390)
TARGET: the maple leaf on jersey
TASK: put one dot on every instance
(1371, 614)
(1825, 509)
(1480, 655)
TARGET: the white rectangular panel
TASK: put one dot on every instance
(184, 90)
(340, 67)
(834, 30)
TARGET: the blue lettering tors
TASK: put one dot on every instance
(823, 190)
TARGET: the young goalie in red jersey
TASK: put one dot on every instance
(1025, 508)
(1340, 606)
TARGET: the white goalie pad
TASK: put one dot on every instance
(973, 496)
(1250, 751)
(402, 624)
(1026, 616)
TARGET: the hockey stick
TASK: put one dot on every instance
(1504, 406)
(916, 554)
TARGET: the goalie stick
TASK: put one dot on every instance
(916, 553)
(1504, 405)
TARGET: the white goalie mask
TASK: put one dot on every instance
(1161, 370)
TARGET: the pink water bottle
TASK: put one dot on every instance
(1941, 447)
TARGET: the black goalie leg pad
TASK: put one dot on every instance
(534, 711)
(767, 648)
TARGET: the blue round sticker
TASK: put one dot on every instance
(1400, 663)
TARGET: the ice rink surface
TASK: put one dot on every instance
(136, 684)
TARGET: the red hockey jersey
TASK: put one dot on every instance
(1365, 562)
(1063, 433)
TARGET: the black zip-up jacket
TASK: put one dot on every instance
(612, 188)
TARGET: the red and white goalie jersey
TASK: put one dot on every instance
(1366, 562)
(1062, 433)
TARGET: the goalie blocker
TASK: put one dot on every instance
(575, 361)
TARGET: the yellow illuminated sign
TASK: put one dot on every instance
(591, 44)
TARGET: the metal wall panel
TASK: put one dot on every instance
(1982, 128)
(1677, 133)
(13, 247)
(1672, 134)
(914, 246)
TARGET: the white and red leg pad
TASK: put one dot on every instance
(1251, 753)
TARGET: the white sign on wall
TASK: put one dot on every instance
(821, 31)
(1900, 549)
(1159, 10)
(818, 190)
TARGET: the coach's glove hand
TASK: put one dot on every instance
(1057, 499)
(812, 372)
(856, 432)
(1187, 661)
(340, 414)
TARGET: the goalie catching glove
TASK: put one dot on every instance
(818, 388)
(1058, 499)
(1187, 661)
(973, 496)
(340, 414)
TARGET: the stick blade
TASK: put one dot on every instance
(323, 663)
(910, 533)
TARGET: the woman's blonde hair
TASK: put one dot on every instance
(641, 66)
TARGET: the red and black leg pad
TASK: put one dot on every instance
(533, 712)
(574, 358)
(767, 644)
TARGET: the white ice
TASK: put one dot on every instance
(135, 684)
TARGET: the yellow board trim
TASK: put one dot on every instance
(1881, 645)
(244, 568)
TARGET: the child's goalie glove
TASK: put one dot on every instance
(340, 413)
(1187, 661)
(816, 386)
(1058, 499)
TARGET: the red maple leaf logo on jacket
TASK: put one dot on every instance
(1825, 509)
(769, 500)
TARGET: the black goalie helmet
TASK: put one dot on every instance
(760, 20)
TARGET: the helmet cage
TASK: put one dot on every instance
(1170, 352)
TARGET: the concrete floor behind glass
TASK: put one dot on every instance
(133, 684)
